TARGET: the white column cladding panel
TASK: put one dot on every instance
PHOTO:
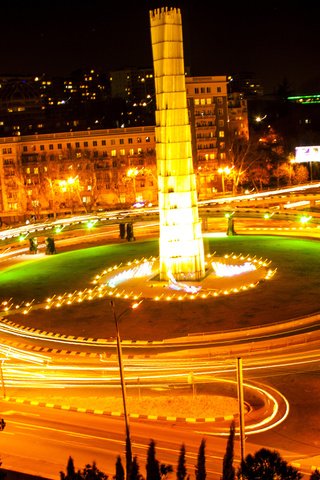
(181, 242)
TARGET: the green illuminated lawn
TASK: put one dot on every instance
(293, 291)
(69, 271)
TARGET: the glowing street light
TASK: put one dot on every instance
(291, 162)
(224, 171)
(268, 215)
(68, 186)
(259, 118)
(132, 173)
(305, 219)
(123, 385)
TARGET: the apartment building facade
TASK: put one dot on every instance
(72, 172)
(216, 119)
(208, 112)
(78, 171)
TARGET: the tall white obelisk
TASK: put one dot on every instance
(181, 242)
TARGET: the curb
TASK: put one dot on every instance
(136, 416)
(60, 336)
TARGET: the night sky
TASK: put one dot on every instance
(275, 40)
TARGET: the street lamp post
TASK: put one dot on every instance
(224, 171)
(241, 407)
(221, 171)
(132, 173)
(123, 385)
(2, 378)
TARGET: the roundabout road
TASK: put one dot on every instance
(224, 310)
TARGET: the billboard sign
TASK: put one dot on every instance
(307, 154)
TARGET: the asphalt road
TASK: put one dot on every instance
(39, 441)
(50, 435)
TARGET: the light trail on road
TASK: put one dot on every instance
(58, 369)
(211, 358)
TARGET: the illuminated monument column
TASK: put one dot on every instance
(181, 243)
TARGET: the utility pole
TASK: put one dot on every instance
(124, 396)
(2, 379)
(123, 385)
(241, 407)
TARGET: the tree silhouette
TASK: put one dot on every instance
(315, 475)
(200, 470)
(70, 468)
(91, 472)
(119, 469)
(128, 453)
(268, 465)
(152, 466)
(181, 468)
(165, 470)
(228, 470)
(71, 473)
(135, 471)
